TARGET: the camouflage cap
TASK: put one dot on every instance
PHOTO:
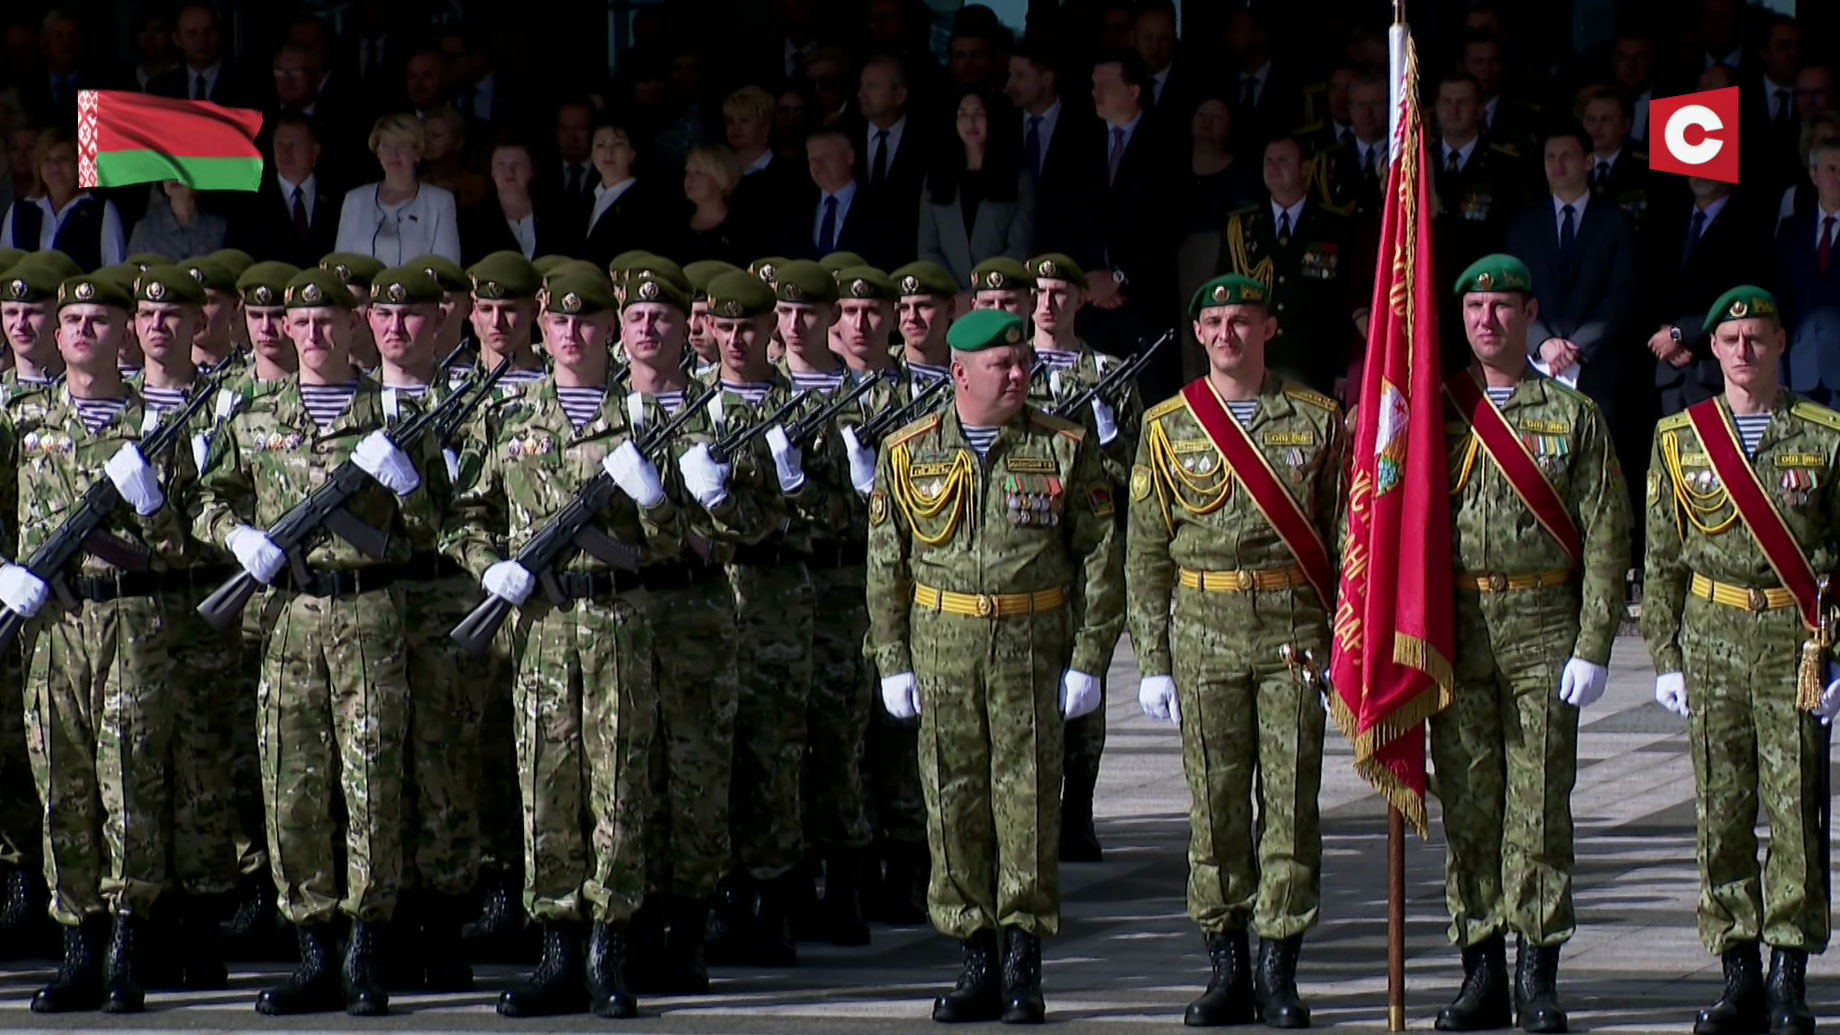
(866, 282)
(924, 278)
(768, 268)
(170, 285)
(836, 262)
(94, 289)
(318, 288)
(210, 274)
(699, 274)
(804, 283)
(1744, 302)
(63, 265)
(1496, 272)
(1001, 274)
(1229, 289)
(264, 284)
(1056, 266)
(30, 281)
(9, 257)
(351, 267)
(445, 272)
(236, 260)
(141, 260)
(739, 295)
(580, 292)
(505, 274)
(984, 329)
(405, 285)
(656, 280)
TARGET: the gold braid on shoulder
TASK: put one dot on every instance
(1700, 507)
(1471, 449)
(1198, 495)
(953, 494)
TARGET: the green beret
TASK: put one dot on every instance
(63, 265)
(141, 260)
(236, 260)
(738, 295)
(445, 272)
(210, 274)
(655, 280)
(94, 289)
(924, 278)
(1000, 274)
(984, 329)
(1744, 302)
(1231, 289)
(836, 262)
(405, 285)
(352, 268)
(122, 275)
(1495, 273)
(573, 266)
(699, 274)
(768, 268)
(580, 292)
(544, 263)
(172, 285)
(1055, 266)
(318, 288)
(866, 282)
(626, 260)
(30, 281)
(804, 283)
(9, 257)
(505, 274)
(264, 284)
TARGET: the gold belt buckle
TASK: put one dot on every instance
(1498, 583)
(1243, 580)
(1759, 601)
(986, 605)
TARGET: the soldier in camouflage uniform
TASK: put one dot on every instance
(355, 271)
(456, 303)
(214, 348)
(1003, 283)
(99, 716)
(994, 595)
(702, 342)
(1233, 663)
(1730, 645)
(585, 699)
(1540, 547)
(333, 697)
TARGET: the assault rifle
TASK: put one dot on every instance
(1107, 387)
(83, 529)
(894, 418)
(812, 425)
(723, 450)
(325, 507)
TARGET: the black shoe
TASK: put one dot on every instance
(730, 921)
(1228, 999)
(1274, 983)
(685, 972)
(443, 958)
(1022, 1002)
(608, 995)
(314, 986)
(1741, 1010)
(842, 904)
(200, 954)
(121, 984)
(78, 985)
(1079, 841)
(364, 995)
(645, 946)
(497, 929)
(903, 897)
(978, 995)
(557, 986)
(1482, 1002)
(1536, 988)
(1786, 993)
(771, 943)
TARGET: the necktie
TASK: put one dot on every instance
(1827, 242)
(1117, 156)
(1453, 161)
(1031, 146)
(1568, 231)
(878, 170)
(301, 227)
(1368, 169)
(1694, 229)
(1782, 107)
(827, 228)
(1602, 175)
(1284, 229)
(574, 181)
(1348, 137)
(1248, 92)
(199, 91)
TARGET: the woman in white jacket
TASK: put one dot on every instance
(399, 218)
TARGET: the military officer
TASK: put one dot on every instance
(1540, 545)
(1619, 172)
(333, 697)
(994, 597)
(1247, 558)
(1002, 283)
(1742, 525)
(1480, 184)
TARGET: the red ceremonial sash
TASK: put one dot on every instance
(1720, 441)
(1516, 464)
(1261, 482)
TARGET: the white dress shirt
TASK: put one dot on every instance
(1463, 154)
(759, 164)
(114, 237)
(395, 234)
(1821, 216)
(306, 188)
(844, 198)
(1295, 211)
(605, 196)
(1559, 204)
(1049, 119)
(525, 231)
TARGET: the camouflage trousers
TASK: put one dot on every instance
(990, 765)
(99, 727)
(1506, 753)
(773, 616)
(837, 713)
(1751, 745)
(238, 699)
(583, 714)
(699, 688)
(19, 809)
(207, 677)
(333, 706)
(1252, 730)
(440, 810)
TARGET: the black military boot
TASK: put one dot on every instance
(645, 945)
(1022, 1003)
(978, 995)
(314, 986)
(121, 983)
(16, 910)
(1741, 1010)
(1536, 988)
(364, 995)
(444, 965)
(1275, 983)
(557, 986)
(771, 943)
(1079, 840)
(1786, 993)
(904, 878)
(842, 905)
(78, 985)
(608, 995)
(1228, 999)
(1482, 1002)
(249, 932)
(201, 959)
(731, 921)
(495, 933)
(684, 971)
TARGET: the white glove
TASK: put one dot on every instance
(1671, 692)
(378, 457)
(509, 581)
(706, 479)
(635, 475)
(1079, 694)
(1105, 422)
(21, 591)
(1830, 697)
(1583, 683)
(901, 695)
(1157, 695)
(135, 480)
(862, 462)
(788, 463)
(256, 552)
(452, 461)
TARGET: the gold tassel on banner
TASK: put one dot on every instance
(1811, 674)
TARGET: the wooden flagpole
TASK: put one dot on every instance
(1396, 820)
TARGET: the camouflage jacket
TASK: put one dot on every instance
(817, 504)
(753, 510)
(1052, 387)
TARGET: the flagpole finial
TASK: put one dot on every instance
(1399, 12)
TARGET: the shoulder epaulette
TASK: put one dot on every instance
(1507, 149)
(1314, 398)
(1640, 156)
(1674, 422)
(1065, 428)
(1311, 128)
(1164, 408)
(1817, 414)
(1238, 213)
(914, 430)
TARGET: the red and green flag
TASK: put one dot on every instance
(125, 138)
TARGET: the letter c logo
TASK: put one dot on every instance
(1674, 135)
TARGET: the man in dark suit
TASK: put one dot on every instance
(1172, 91)
(1619, 172)
(51, 98)
(1807, 282)
(1769, 155)
(890, 153)
(203, 74)
(1509, 121)
(1055, 137)
(483, 93)
(565, 182)
(835, 215)
(294, 216)
(1479, 187)
(1351, 172)
(1267, 102)
(1703, 241)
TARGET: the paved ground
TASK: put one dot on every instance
(1130, 959)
